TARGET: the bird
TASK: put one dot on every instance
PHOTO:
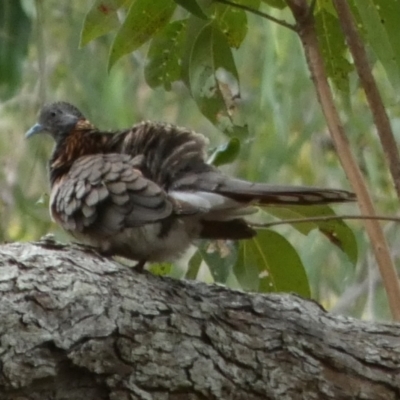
(147, 193)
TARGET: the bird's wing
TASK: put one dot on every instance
(169, 151)
(106, 193)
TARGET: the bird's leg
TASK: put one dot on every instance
(140, 265)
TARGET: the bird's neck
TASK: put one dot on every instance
(79, 143)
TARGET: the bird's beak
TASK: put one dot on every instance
(37, 128)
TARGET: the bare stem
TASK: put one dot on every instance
(373, 96)
(308, 36)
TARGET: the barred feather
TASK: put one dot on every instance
(146, 192)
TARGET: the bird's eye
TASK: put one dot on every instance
(53, 114)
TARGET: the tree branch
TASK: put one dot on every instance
(324, 218)
(78, 326)
(372, 94)
(306, 29)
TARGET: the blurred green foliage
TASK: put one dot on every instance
(15, 29)
(277, 117)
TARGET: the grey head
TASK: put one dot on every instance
(58, 119)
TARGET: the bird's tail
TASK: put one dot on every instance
(260, 193)
(264, 194)
(224, 202)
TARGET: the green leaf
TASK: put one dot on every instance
(214, 81)
(219, 255)
(269, 263)
(381, 19)
(101, 19)
(326, 5)
(15, 30)
(161, 269)
(333, 48)
(194, 266)
(336, 231)
(193, 7)
(165, 55)
(145, 18)
(226, 153)
(281, 4)
(232, 23)
(254, 4)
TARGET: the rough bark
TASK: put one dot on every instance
(74, 325)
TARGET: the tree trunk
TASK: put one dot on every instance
(74, 325)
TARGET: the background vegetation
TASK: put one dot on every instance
(287, 140)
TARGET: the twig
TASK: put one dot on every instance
(372, 94)
(308, 36)
(259, 13)
(324, 218)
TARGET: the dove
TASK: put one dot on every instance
(146, 193)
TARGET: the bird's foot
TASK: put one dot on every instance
(140, 265)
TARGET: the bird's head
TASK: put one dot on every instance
(57, 119)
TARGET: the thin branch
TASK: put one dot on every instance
(259, 13)
(308, 36)
(371, 90)
(325, 218)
